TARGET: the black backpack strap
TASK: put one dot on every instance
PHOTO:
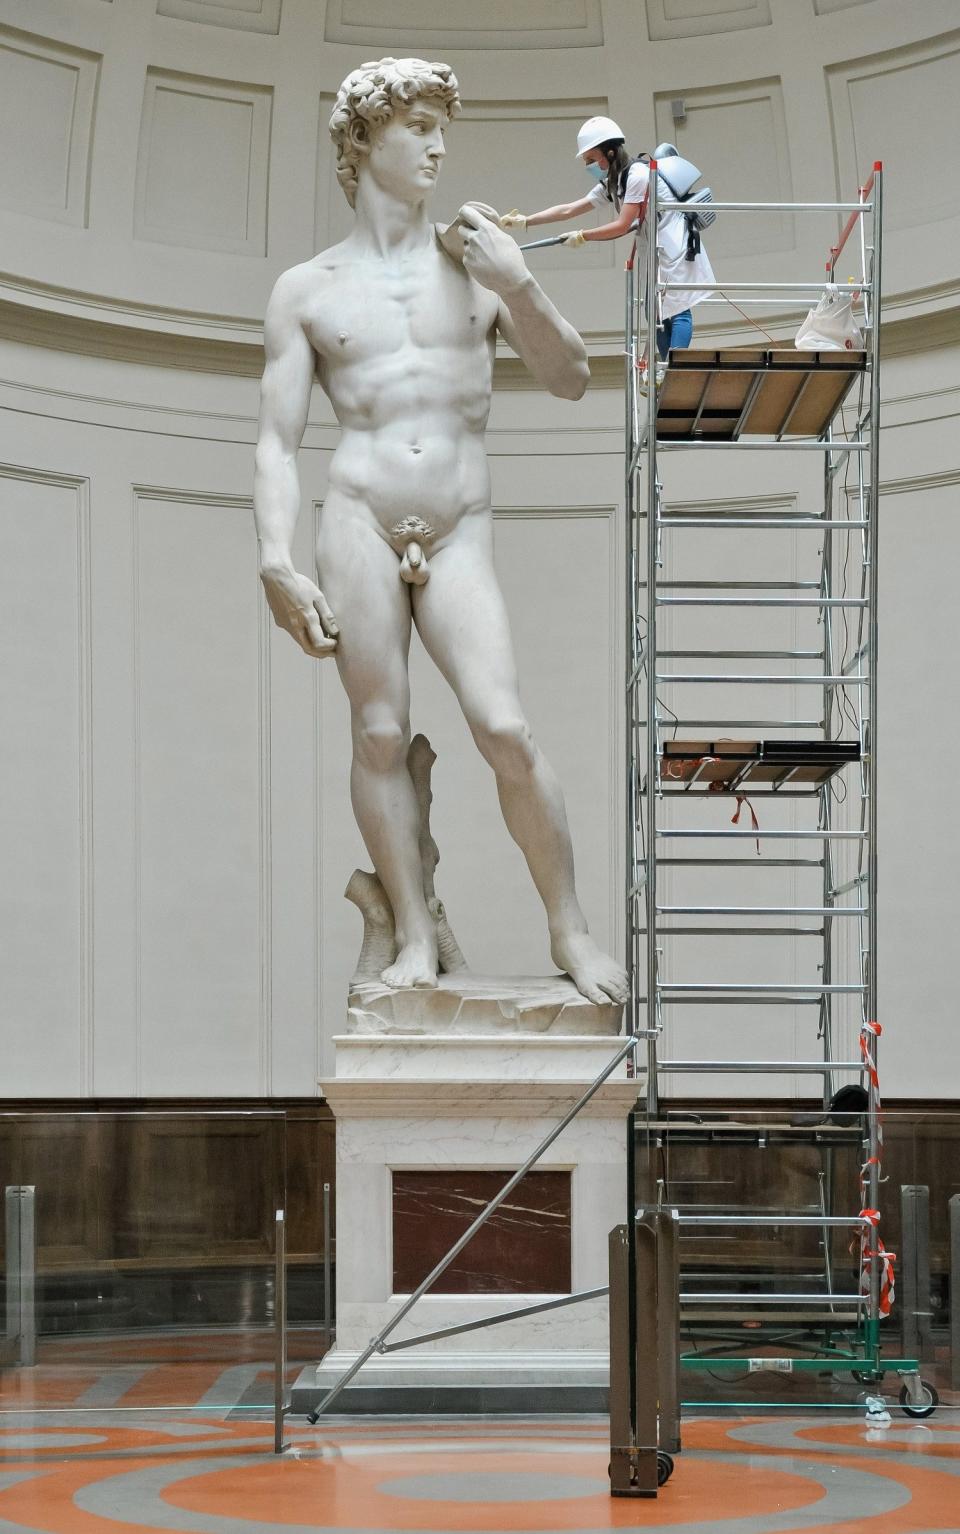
(693, 236)
(638, 159)
(690, 219)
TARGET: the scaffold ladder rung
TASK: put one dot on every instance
(745, 678)
(760, 910)
(748, 987)
(732, 932)
(744, 1217)
(736, 724)
(834, 524)
(761, 602)
(733, 862)
(821, 834)
(741, 654)
(760, 1067)
(723, 1297)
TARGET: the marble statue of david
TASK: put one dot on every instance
(400, 333)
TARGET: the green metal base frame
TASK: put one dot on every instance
(771, 1365)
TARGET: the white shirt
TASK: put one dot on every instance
(671, 241)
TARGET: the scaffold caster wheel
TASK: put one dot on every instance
(664, 1467)
(928, 1406)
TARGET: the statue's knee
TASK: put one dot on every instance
(381, 745)
(507, 744)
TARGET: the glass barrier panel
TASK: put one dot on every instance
(311, 1240)
(138, 1265)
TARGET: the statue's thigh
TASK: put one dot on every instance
(462, 619)
(359, 574)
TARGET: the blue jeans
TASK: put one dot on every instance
(675, 332)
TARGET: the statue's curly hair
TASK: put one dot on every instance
(366, 102)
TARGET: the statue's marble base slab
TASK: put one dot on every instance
(449, 1102)
(480, 1004)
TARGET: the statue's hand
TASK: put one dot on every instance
(301, 608)
(489, 255)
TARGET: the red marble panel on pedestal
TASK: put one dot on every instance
(524, 1248)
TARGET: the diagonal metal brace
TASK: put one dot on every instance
(505, 1315)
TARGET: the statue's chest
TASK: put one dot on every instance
(414, 305)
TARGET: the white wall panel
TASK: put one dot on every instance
(45, 893)
(203, 796)
(203, 163)
(416, 24)
(698, 18)
(827, 7)
(47, 98)
(873, 102)
(919, 741)
(737, 134)
(243, 15)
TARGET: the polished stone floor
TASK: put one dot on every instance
(213, 1472)
(102, 1437)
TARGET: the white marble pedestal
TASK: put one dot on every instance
(483, 1098)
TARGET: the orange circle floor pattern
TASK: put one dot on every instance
(210, 1476)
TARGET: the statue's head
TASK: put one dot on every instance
(373, 95)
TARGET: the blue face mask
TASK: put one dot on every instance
(594, 170)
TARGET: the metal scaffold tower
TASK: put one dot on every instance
(795, 875)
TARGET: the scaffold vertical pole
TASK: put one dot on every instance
(653, 731)
(872, 704)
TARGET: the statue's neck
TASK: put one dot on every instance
(388, 225)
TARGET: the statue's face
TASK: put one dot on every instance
(405, 157)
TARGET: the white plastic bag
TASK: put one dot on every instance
(831, 327)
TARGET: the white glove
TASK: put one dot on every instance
(576, 237)
(513, 220)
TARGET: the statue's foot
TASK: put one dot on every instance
(415, 965)
(596, 976)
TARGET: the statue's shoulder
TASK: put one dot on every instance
(303, 284)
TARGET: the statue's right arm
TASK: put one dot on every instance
(297, 603)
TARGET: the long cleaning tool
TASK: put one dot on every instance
(553, 239)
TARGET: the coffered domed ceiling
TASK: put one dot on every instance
(163, 160)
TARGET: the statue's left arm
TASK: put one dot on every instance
(528, 321)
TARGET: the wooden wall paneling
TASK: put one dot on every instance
(198, 1190)
(61, 1157)
(311, 1162)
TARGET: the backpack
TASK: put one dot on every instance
(679, 177)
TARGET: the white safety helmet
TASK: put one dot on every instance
(597, 131)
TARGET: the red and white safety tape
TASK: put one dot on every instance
(871, 1245)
